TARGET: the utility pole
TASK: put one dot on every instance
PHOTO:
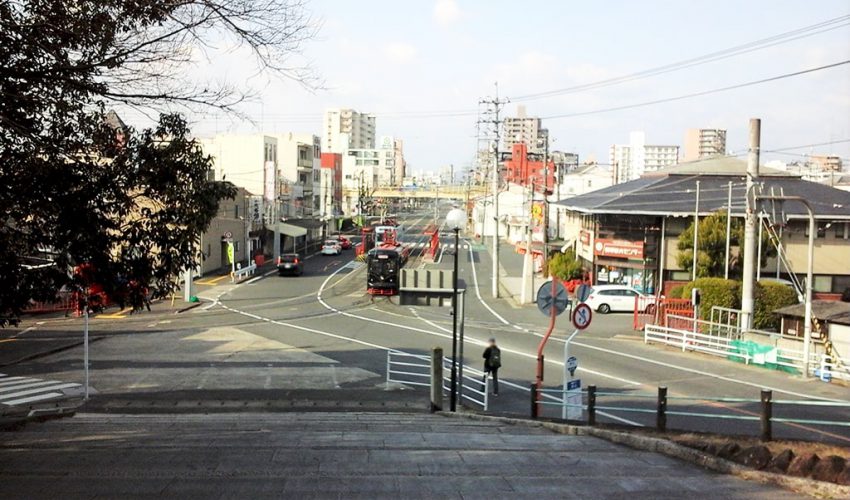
(747, 305)
(491, 136)
(528, 260)
(545, 208)
(696, 235)
(728, 229)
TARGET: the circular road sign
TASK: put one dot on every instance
(546, 300)
(582, 316)
(583, 292)
(228, 235)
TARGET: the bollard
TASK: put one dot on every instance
(661, 410)
(766, 415)
(591, 405)
(533, 400)
(436, 379)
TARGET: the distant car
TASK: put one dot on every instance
(344, 242)
(614, 298)
(290, 263)
(331, 247)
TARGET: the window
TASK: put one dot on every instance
(842, 231)
(302, 154)
(235, 211)
(236, 246)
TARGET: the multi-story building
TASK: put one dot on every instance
(523, 129)
(826, 163)
(358, 129)
(400, 163)
(330, 190)
(704, 143)
(525, 169)
(632, 160)
(300, 160)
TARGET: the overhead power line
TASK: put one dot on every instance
(697, 94)
(781, 38)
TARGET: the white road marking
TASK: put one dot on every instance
(478, 290)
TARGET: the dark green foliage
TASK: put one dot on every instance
(565, 266)
(676, 292)
(770, 296)
(715, 292)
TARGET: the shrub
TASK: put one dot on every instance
(676, 292)
(714, 292)
(770, 296)
(565, 266)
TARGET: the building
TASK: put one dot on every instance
(579, 181)
(704, 143)
(628, 233)
(826, 163)
(330, 190)
(523, 129)
(636, 158)
(233, 222)
(300, 161)
(400, 163)
(564, 162)
(526, 169)
(358, 129)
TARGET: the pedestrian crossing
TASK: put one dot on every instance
(26, 391)
(424, 244)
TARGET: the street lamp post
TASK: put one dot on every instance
(455, 220)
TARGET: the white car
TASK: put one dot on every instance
(616, 298)
(331, 247)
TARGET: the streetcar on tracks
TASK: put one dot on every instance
(384, 263)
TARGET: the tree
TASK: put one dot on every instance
(565, 266)
(711, 255)
(77, 189)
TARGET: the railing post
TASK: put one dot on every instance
(533, 400)
(591, 405)
(766, 415)
(437, 379)
(661, 410)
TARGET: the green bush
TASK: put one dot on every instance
(770, 296)
(715, 292)
(565, 266)
(676, 292)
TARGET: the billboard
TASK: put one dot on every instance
(623, 249)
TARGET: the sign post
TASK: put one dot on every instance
(552, 300)
(582, 314)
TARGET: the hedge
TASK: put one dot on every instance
(676, 292)
(770, 296)
(715, 292)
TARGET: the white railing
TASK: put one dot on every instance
(243, 272)
(415, 369)
(724, 346)
(726, 316)
(830, 367)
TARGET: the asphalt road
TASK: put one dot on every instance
(328, 306)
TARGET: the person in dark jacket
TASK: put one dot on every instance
(492, 362)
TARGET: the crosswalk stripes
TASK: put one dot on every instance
(16, 391)
(450, 246)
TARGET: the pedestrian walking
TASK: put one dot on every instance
(492, 362)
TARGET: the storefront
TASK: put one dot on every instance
(622, 262)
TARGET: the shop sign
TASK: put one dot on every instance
(618, 248)
(584, 237)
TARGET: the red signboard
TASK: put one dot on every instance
(584, 237)
(618, 248)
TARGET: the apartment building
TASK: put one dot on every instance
(704, 143)
(300, 160)
(632, 160)
(347, 129)
(524, 129)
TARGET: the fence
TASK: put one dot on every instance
(729, 346)
(765, 415)
(655, 311)
(415, 369)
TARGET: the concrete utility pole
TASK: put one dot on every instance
(728, 230)
(528, 260)
(747, 305)
(696, 235)
(545, 208)
(496, 105)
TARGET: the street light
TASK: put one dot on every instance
(455, 220)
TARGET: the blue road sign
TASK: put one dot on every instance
(573, 385)
(546, 299)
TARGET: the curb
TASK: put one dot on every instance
(48, 352)
(810, 487)
(189, 308)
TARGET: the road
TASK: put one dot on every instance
(273, 341)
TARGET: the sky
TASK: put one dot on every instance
(394, 58)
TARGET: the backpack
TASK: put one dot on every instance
(495, 359)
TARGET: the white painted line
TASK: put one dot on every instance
(478, 290)
(32, 399)
(16, 380)
(24, 385)
(254, 280)
(35, 391)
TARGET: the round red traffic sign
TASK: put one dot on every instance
(582, 315)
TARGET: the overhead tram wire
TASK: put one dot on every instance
(789, 36)
(696, 94)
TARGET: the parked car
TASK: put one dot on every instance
(331, 247)
(614, 298)
(344, 242)
(290, 263)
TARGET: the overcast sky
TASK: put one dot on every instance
(388, 56)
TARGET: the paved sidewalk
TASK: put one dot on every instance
(338, 455)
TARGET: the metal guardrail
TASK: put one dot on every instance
(661, 410)
(718, 345)
(415, 369)
(243, 272)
